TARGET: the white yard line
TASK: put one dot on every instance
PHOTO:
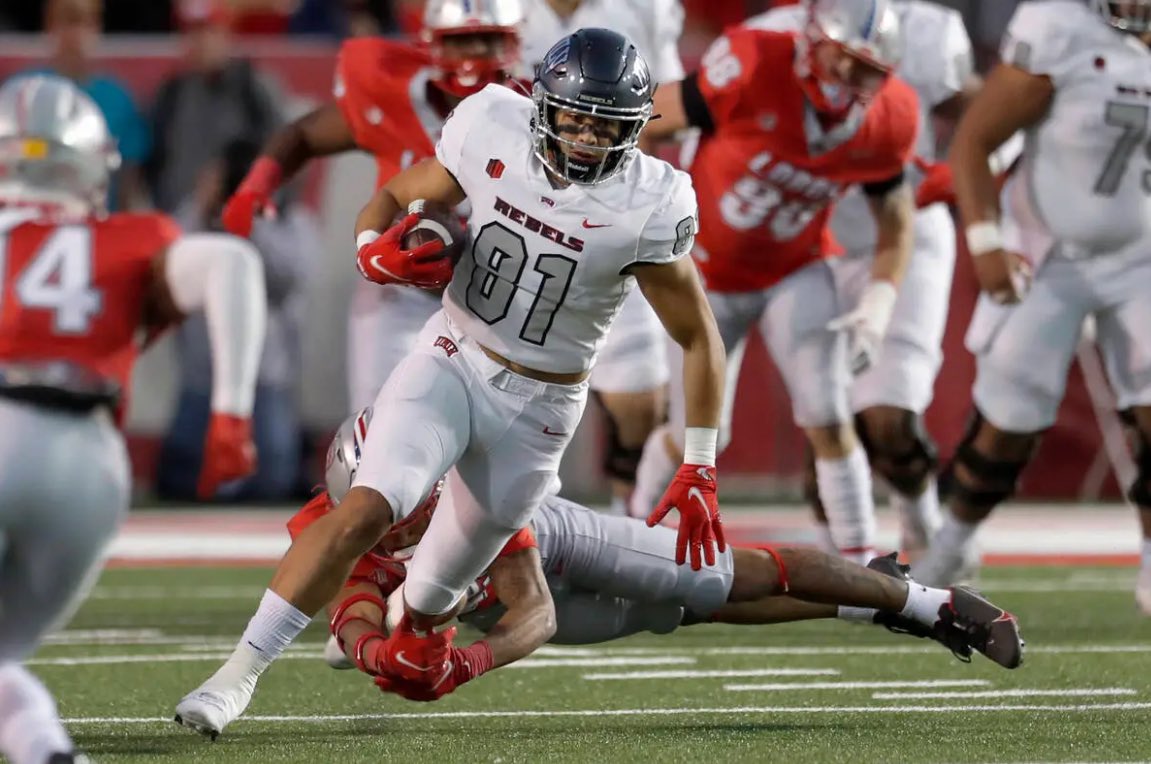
(1074, 692)
(321, 719)
(312, 654)
(784, 686)
(654, 660)
(712, 674)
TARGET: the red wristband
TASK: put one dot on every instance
(265, 175)
(475, 659)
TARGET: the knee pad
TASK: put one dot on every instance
(905, 455)
(1140, 490)
(989, 480)
(619, 461)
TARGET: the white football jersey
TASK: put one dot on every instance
(545, 275)
(653, 25)
(937, 61)
(1084, 185)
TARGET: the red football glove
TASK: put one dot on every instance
(464, 665)
(938, 184)
(692, 493)
(229, 453)
(253, 197)
(385, 261)
(423, 657)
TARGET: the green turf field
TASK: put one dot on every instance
(820, 692)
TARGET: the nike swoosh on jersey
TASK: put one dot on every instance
(595, 225)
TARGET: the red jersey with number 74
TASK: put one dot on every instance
(77, 290)
(769, 173)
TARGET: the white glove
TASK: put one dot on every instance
(867, 324)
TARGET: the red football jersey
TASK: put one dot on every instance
(382, 90)
(77, 291)
(768, 175)
(388, 572)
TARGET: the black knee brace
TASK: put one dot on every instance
(1140, 491)
(905, 456)
(988, 481)
(619, 461)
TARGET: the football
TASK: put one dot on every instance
(438, 222)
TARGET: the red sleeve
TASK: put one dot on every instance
(311, 512)
(370, 76)
(148, 233)
(524, 539)
(727, 72)
(902, 124)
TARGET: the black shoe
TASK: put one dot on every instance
(75, 757)
(953, 640)
(985, 626)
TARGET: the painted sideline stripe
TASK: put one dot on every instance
(636, 712)
(1005, 694)
(655, 660)
(193, 657)
(712, 674)
(774, 687)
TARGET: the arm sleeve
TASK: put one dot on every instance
(670, 230)
(883, 187)
(223, 276)
(1040, 39)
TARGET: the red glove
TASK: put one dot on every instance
(692, 493)
(253, 197)
(385, 261)
(464, 666)
(420, 657)
(229, 453)
(938, 184)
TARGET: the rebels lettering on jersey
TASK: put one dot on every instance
(382, 90)
(388, 570)
(78, 291)
(768, 174)
(549, 267)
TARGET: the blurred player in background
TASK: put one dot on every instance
(630, 376)
(567, 217)
(889, 398)
(1076, 214)
(390, 99)
(770, 165)
(81, 291)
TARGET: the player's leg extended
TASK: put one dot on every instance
(889, 399)
(420, 426)
(383, 324)
(629, 382)
(663, 452)
(1023, 353)
(1139, 493)
(60, 505)
(813, 364)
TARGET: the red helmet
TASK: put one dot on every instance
(867, 30)
(463, 74)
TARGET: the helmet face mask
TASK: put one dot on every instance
(1133, 16)
(473, 44)
(55, 147)
(593, 97)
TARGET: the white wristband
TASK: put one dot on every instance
(699, 445)
(365, 238)
(984, 237)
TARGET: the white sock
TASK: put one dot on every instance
(954, 534)
(655, 471)
(30, 729)
(923, 603)
(618, 506)
(274, 626)
(856, 614)
(919, 513)
(845, 490)
(823, 540)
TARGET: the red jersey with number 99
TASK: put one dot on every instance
(382, 90)
(76, 291)
(769, 173)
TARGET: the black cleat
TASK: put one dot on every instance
(986, 627)
(896, 623)
(73, 757)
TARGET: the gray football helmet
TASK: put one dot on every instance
(1132, 16)
(54, 143)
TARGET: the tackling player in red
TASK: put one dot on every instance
(82, 292)
(790, 121)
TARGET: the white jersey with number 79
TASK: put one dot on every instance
(1084, 186)
(547, 269)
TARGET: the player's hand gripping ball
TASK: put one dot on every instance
(437, 223)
